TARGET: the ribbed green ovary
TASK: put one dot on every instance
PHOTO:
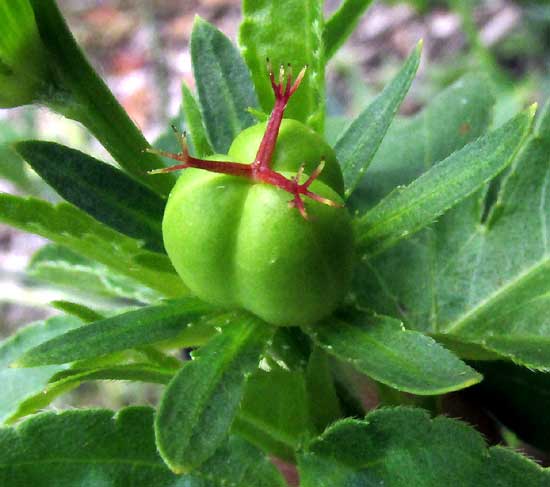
(238, 244)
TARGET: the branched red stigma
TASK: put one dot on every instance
(260, 170)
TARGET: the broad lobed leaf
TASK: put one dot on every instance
(99, 447)
(467, 282)
(404, 447)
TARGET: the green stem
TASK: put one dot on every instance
(466, 9)
(90, 102)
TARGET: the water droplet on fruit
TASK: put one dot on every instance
(264, 365)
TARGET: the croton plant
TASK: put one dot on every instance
(361, 302)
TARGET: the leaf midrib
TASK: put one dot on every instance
(247, 329)
(398, 358)
(407, 209)
(498, 294)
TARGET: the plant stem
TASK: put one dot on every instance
(88, 100)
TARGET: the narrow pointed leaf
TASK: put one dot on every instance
(143, 326)
(383, 349)
(198, 140)
(342, 23)
(67, 380)
(406, 211)
(18, 385)
(324, 405)
(224, 85)
(80, 311)
(99, 447)
(102, 191)
(287, 32)
(274, 412)
(62, 268)
(403, 447)
(200, 403)
(68, 226)
(357, 146)
(458, 115)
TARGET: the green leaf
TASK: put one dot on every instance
(288, 31)
(403, 447)
(12, 167)
(324, 405)
(78, 310)
(67, 380)
(143, 326)
(18, 385)
(342, 23)
(102, 191)
(211, 387)
(194, 124)
(83, 448)
(357, 146)
(518, 398)
(458, 115)
(68, 226)
(99, 447)
(80, 94)
(223, 83)
(463, 279)
(60, 267)
(407, 210)
(291, 347)
(383, 349)
(274, 412)
(239, 464)
(25, 74)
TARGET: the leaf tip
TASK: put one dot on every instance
(20, 363)
(532, 110)
(198, 21)
(180, 469)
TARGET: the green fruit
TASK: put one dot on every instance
(238, 244)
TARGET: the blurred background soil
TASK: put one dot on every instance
(141, 48)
